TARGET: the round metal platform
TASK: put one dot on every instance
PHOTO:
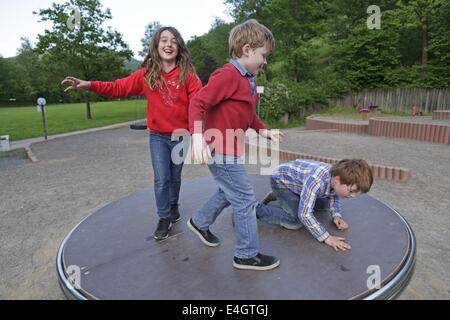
(112, 254)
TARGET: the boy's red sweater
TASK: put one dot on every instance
(227, 103)
(167, 109)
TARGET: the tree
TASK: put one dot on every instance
(366, 55)
(422, 9)
(150, 30)
(15, 80)
(202, 59)
(28, 59)
(210, 51)
(245, 9)
(12, 82)
(79, 39)
(439, 34)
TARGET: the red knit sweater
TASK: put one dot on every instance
(167, 109)
(227, 103)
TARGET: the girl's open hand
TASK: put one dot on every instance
(75, 83)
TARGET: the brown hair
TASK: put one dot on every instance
(249, 32)
(153, 61)
(354, 172)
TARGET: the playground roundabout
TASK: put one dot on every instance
(112, 254)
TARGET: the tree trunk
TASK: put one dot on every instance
(88, 109)
(424, 41)
(285, 118)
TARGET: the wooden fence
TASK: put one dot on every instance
(398, 100)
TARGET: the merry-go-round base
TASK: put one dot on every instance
(112, 254)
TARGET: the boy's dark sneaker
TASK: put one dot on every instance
(162, 231)
(259, 262)
(206, 236)
(269, 198)
(174, 213)
(291, 226)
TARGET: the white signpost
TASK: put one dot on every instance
(4, 143)
(41, 108)
(259, 91)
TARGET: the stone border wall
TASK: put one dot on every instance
(441, 115)
(428, 132)
(319, 124)
(434, 133)
(380, 172)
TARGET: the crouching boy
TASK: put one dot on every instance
(299, 184)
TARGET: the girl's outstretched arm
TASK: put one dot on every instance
(133, 85)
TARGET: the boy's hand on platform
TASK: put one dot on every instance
(340, 224)
(337, 243)
(200, 151)
(75, 83)
(274, 135)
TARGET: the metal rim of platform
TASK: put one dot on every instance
(389, 291)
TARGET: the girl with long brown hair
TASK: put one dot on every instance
(168, 81)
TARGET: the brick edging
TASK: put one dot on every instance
(321, 124)
(441, 115)
(428, 132)
(379, 171)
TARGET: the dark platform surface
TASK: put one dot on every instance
(119, 258)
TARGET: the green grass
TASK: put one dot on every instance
(26, 122)
(339, 111)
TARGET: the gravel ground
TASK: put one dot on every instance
(41, 202)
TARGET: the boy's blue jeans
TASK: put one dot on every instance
(167, 174)
(235, 189)
(289, 203)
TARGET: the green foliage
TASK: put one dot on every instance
(210, 51)
(285, 96)
(337, 45)
(366, 54)
(202, 59)
(439, 31)
(11, 86)
(275, 102)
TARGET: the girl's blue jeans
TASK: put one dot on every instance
(167, 174)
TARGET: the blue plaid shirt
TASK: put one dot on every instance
(310, 180)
